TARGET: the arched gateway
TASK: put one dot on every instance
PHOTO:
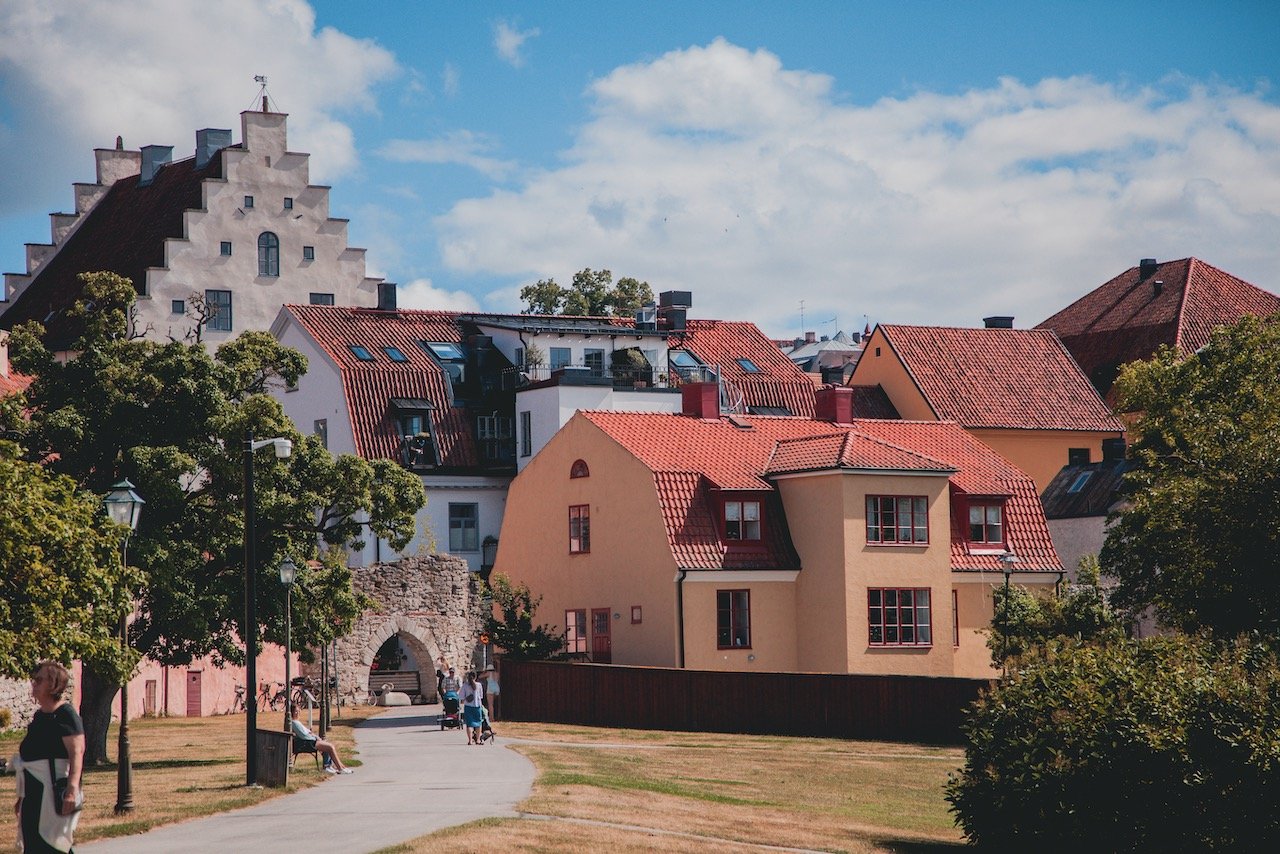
(430, 602)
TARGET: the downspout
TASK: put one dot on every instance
(680, 575)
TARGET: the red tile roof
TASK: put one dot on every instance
(722, 342)
(870, 401)
(124, 233)
(11, 383)
(691, 458)
(1022, 379)
(1126, 319)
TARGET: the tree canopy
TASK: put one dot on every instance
(515, 632)
(1199, 539)
(593, 293)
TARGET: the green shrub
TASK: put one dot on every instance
(6, 718)
(1164, 744)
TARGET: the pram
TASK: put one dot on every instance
(486, 729)
(449, 717)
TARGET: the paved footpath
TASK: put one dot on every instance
(415, 779)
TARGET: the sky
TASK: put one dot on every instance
(809, 166)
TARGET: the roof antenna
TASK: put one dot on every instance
(261, 80)
(802, 317)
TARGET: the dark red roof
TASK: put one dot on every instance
(691, 458)
(123, 233)
(1127, 318)
(1022, 379)
(870, 401)
(11, 383)
(779, 382)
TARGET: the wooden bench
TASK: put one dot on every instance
(405, 681)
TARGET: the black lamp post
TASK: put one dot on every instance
(124, 507)
(288, 574)
(283, 448)
(1007, 560)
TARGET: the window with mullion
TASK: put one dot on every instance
(463, 524)
(579, 529)
(575, 630)
(742, 520)
(986, 522)
(899, 617)
(897, 520)
(733, 619)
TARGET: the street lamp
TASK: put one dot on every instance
(1007, 560)
(283, 448)
(124, 507)
(288, 574)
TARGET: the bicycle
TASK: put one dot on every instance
(303, 695)
(270, 700)
(238, 705)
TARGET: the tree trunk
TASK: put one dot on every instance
(96, 696)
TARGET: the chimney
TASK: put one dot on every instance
(116, 163)
(998, 321)
(673, 309)
(810, 337)
(1146, 268)
(153, 157)
(700, 400)
(1113, 449)
(386, 296)
(834, 403)
(208, 142)
(4, 353)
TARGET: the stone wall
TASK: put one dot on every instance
(15, 695)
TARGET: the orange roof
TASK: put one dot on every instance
(691, 458)
(778, 383)
(1022, 379)
(1127, 318)
(13, 383)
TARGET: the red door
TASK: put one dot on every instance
(601, 643)
(194, 707)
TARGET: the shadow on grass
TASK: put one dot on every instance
(915, 846)
(161, 763)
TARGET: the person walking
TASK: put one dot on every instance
(472, 707)
(491, 691)
(50, 756)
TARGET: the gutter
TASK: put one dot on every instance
(680, 576)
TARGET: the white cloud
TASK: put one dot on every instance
(450, 78)
(421, 293)
(77, 74)
(461, 147)
(508, 42)
(717, 170)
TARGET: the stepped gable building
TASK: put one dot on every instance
(1178, 303)
(214, 243)
(825, 544)
(1017, 390)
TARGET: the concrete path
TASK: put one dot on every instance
(415, 779)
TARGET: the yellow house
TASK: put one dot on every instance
(773, 543)
(1018, 390)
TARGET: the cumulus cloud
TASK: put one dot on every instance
(461, 147)
(450, 78)
(421, 293)
(509, 41)
(70, 79)
(717, 170)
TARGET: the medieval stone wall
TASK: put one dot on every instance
(15, 695)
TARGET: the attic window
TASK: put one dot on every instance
(360, 352)
(225, 248)
(454, 362)
(1079, 482)
(288, 203)
(748, 366)
(248, 202)
(686, 365)
(444, 350)
(579, 469)
(418, 448)
(394, 354)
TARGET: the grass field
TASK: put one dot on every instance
(182, 768)
(623, 790)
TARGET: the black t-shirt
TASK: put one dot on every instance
(46, 731)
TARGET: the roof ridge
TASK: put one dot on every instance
(1183, 299)
(897, 447)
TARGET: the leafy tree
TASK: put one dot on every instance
(1200, 537)
(63, 589)
(173, 420)
(1163, 744)
(515, 632)
(593, 293)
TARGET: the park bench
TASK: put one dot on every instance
(405, 681)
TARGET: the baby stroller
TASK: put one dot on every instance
(449, 718)
(486, 730)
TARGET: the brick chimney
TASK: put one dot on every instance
(700, 400)
(834, 403)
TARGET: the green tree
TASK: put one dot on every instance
(514, 632)
(63, 589)
(173, 420)
(1199, 538)
(593, 293)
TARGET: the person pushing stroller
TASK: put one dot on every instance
(450, 701)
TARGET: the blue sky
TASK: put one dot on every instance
(902, 162)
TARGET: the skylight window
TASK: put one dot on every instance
(361, 353)
(394, 354)
(445, 350)
(748, 366)
(1079, 482)
(683, 359)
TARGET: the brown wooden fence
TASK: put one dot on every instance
(891, 708)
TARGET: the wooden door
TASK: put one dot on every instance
(149, 699)
(601, 642)
(195, 707)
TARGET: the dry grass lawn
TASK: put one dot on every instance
(622, 790)
(183, 768)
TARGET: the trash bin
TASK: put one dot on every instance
(272, 751)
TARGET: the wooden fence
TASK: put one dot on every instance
(891, 708)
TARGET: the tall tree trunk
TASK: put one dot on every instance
(96, 696)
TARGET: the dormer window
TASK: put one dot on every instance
(986, 522)
(419, 450)
(454, 362)
(686, 365)
(741, 520)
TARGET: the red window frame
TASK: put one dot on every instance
(580, 529)
(895, 618)
(743, 533)
(733, 619)
(888, 508)
(980, 532)
(575, 630)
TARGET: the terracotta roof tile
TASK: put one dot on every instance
(1000, 378)
(722, 342)
(870, 401)
(848, 450)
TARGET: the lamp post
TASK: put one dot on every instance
(288, 574)
(283, 448)
(124, 507)
(1007, 560)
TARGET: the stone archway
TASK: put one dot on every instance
(431, 602)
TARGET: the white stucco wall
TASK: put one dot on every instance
(551, 407)
(319, 393)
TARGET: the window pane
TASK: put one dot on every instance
(877, 634)
(891, 598)
(732, 511)
(891, 634)
(751, 510)
(908, 633)
(873, 596)
(751, 530)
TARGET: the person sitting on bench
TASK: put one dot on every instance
(332, 763)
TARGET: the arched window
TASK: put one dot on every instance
(579, 469)
(268, 254)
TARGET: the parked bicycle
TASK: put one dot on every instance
(304, 692)
(271, 699)
(239, 705)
